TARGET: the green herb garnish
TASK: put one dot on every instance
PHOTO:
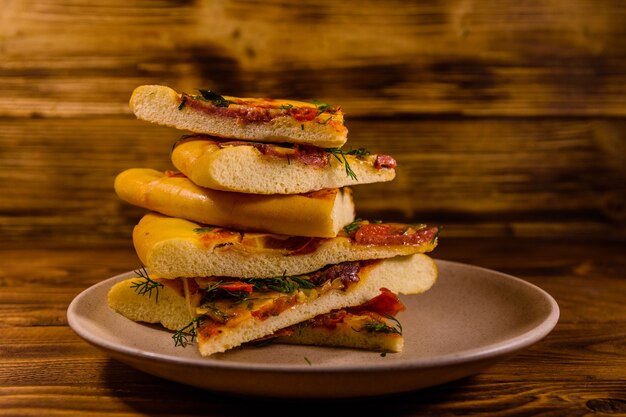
(384, 328)
(187, 334)
(147, 285)
(284, 284)
(354, 226)
(340, 155)
(286, 107)
(201, 230)
(182, 103)
(213, 97)
(323, 107)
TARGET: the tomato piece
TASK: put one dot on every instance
(386, 303)
(394, 234)
(234, 286)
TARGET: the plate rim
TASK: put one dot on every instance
(492, 350)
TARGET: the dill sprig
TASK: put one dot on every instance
(147, 285)
(324, 107)
(340, 155)
(283, 284)
(212, 290)
(182, 337)
(384, 328)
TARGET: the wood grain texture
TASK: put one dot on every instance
(466, 57)
(542, 152)
(507, 119)
(579, 369)
(475, 177)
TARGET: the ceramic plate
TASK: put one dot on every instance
(470, 319)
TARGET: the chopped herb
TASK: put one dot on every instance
(182, 103)
(201, 230)
(353, 227)
(327, 120)
(216, 99)
(382, 327)
(286, 106)
(302, 127)
(209, 292)
(322, 107)
(358, 152)
(187, 334)
(308, 361)
(283, 284)
(382, 355)
(209, 310)
(147, 285)
(341, 157)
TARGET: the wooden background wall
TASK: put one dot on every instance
(508, 118)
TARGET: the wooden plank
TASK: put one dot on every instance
(453, 57)
(572, 371)
(476, 177)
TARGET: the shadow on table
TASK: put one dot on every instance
(150, 395)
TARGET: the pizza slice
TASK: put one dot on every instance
(320, 214)
(173, 247)
(251, 119)
(321, 307)
(263, 168)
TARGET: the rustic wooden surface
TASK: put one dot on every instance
(579, 369)
(508, 120)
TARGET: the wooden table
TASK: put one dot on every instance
(580, 368)
(508, 121)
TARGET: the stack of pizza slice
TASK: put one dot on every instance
(254, 236)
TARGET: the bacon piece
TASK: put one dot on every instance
(328, 320)
(347, 271)
(243, 113)
(384, 161)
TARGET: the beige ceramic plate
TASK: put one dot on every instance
(470, 319)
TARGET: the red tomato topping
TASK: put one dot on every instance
(384, 303)
(394, 234)
(304, 114)
(236, 286)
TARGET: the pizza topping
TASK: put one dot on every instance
(384, 161)
(258, 110)
(290, 245)
(392, 234)
(371, 316)
(308, 155)
(225, 302)
(243, 114)
(217, 237)
(386, 303)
